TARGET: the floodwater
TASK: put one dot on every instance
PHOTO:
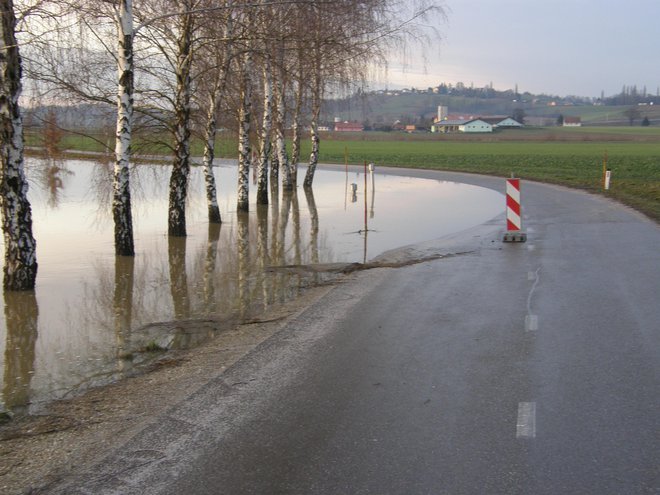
(95, 318)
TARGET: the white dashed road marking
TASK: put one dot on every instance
(526, 426)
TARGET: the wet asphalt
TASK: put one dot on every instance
(502, 368)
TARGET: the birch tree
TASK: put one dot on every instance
(209, 155)
(282, 14)
(317, 87)
(221, 51)
(73, 66)
(244, 119)
(121, 202)
(265, 134)
(296, 126)
(181, 165)
(20, 268)
(279, 88)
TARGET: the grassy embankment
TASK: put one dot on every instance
(571, 157)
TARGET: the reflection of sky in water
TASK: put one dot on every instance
(87, 320)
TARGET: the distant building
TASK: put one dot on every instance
(461, 116)
(462, 125)
(348, 127)
(472, 123)
(572, 122)
(509, 122)
(398, 126)
(476, 125)
(442, 113)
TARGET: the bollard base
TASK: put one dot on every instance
(518, 236)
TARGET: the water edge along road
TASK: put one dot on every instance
(502, 368)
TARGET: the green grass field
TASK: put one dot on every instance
(635, 166)
(571, 157)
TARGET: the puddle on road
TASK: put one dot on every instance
(95, 318)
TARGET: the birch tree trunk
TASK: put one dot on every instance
(316, 112)
(209, 155)
(211, 126)
(181, 166)
(20, 269)
(244, 137)
(274, 168)
(121, 201)
(266, 126)
(280, 143)
(295, 127)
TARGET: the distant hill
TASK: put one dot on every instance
(382, 108)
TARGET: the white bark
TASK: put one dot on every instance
(211, 125)
(296, 130)
(244, 137)
(20, 269)
(266, 127)
(209, 155)
(121, 202)
(316, 112)
(280, 143)
(181, 166)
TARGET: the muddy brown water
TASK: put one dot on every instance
(95, 318)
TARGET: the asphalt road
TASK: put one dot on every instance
(502, 368)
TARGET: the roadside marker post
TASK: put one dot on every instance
(514, 231)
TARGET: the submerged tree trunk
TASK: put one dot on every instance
(20, 270)
(209, 155)
(295, 128)
(121, 201)
(316, 112)
(280, 143)
(181, 166)
(265, 147)
(212, 127)
(274, 168)
(244, 137)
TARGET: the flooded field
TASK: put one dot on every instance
(95, 318)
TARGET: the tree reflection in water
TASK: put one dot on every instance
(21, 318)
(51, 175)
(176, 255)
(123, 310)
(98, 314)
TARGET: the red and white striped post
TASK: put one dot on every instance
(514, 231)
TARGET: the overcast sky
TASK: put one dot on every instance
(562, 47)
